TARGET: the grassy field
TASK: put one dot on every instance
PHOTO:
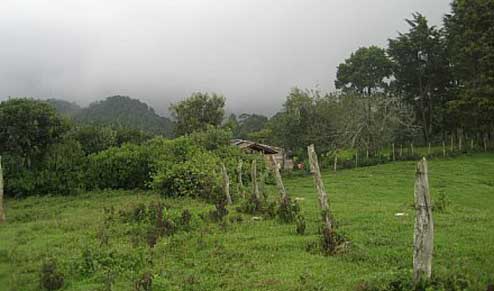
(259, 255)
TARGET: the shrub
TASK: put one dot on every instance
(193, 177)
(300, 224)
(287, 210)
(50, 278)
(127, 167)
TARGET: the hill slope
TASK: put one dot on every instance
(65, 107)
(125, 112)
(92, 246)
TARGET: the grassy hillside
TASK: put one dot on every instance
(91, 250)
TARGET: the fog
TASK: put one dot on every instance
(251, 51)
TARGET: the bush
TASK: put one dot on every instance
(50, 278)
(195, 177)
(127, 167)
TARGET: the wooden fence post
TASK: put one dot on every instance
(2, 210)
(412, 148)
(429, 149)
(356, 159)
(255, 187)
(423, 240)
(401, 150)
(460, 141)
(452, 144)
(240, 185)
(471, 144)
(226, 184)
(323, 196)
(279, 181)
(485, 143)
(444, 149)
(335, 164)
(393, 148)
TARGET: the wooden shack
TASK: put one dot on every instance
(282, 157)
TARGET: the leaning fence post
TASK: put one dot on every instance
(411, 147)
(356, 159)
(323, 196)
(2, 210)
(279, 180)
(255, 187)
(226, 184)
(423, 240)
(444, 149)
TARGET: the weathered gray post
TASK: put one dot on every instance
(335, 164)
(240, 185)
(460, 141)
(393, 149)
(423, 240)
(279, 180)
(356, 159)
(255, 187)
(471, 144)
(226, 184)
(444, 149)
(452, 144)
(2, 210)
(401, 150)
(429, 149)
(412, 148)
(323, 195)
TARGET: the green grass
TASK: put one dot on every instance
(261, 255)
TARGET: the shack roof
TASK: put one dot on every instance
(258, 147)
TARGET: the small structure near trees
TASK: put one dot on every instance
(282, 157)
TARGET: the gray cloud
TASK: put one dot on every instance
(252, 51)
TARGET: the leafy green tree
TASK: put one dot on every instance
(421, 72)
(365, 71)
(470, 36)
(197, 112)
(249, 123)
(28, 127)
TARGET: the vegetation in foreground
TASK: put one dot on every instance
(109, 240)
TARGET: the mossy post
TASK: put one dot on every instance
(393, 149)
(323, 197)
(255, 187)
(423, 240)
(2, 210)
(226, 184)
(279, 181)
(240, 184)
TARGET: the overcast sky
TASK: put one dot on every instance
(251, 51)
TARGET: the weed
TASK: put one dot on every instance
(50, 277)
